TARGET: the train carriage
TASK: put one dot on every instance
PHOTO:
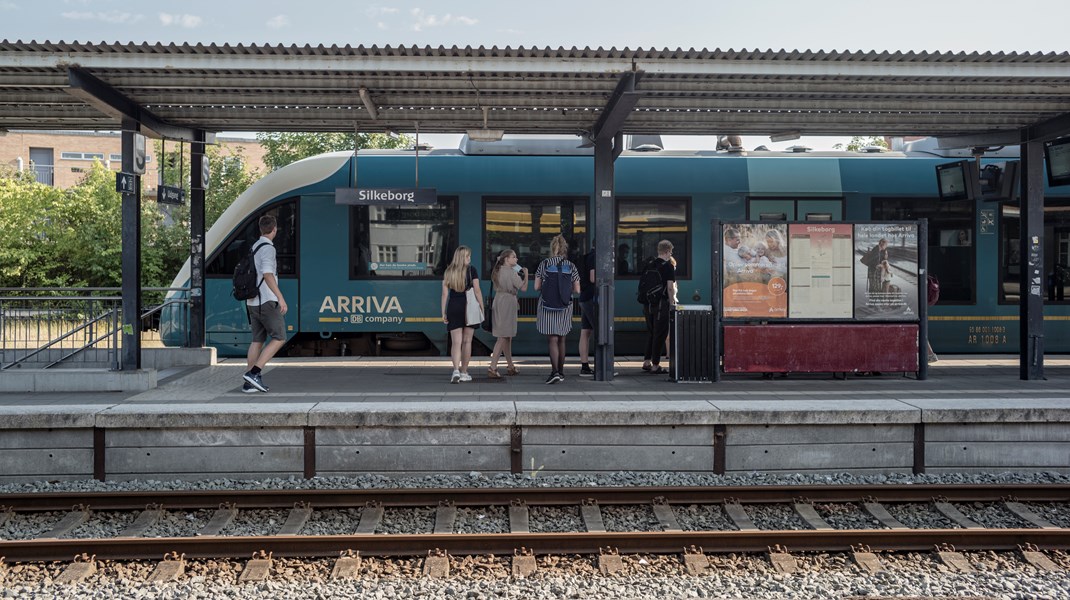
(366, 279)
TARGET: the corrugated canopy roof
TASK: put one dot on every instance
(536, 90)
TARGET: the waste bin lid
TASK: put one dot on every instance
(694, 307)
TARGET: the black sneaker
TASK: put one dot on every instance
(553, 378)
(586, 371)
(558, 377)
(255, 380)
(248, 389)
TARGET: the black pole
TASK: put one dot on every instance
(198, 185)
(131, 259)
(604, 216)
(1031, 287)
(923, 299)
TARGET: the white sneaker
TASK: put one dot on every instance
(456, 378)
(466, 377)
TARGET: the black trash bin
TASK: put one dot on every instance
(694, 351)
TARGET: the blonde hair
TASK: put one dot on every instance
(457, 273)
(559, 246)
(499, 264)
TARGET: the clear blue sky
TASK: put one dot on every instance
(929, 25)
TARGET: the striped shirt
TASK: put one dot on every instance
(554, 322)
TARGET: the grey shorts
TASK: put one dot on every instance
(267, 321)
(589, 315)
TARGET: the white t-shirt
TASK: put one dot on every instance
(265, 263)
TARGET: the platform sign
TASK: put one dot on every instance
(139, 154)
(206, 173)
(821, 271)
(886, 271)
(166, 194)
(386, 196)
(125, 183)
(754, 271)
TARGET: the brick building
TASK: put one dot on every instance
(59, 158)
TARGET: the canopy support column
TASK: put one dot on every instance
(1031, 286)
(131, 257)
(198, 168)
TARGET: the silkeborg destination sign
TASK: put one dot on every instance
(385, 196)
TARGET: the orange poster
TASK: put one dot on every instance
(754, 271)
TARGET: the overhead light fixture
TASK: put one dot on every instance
(785, 136)
(485, 135)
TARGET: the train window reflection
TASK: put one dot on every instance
(955, 265)
(402, 241)
(527, 225)
(1056, 238)
(227, 257)
(642, 223)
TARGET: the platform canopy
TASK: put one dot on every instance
(536, 90)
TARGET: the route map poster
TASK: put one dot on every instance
(886, 272)
(754, 271)
(821, 271)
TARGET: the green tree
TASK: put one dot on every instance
(285, 148)
(860, 141)
(25, 237)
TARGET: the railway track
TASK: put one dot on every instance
(814, 508)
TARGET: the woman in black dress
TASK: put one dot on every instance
(460, 277)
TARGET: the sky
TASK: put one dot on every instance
(854, 25)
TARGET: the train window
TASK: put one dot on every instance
(402, 241)
(1056, 251)
(527, 225)
(642, 223)
(226, 258)
(955, 264)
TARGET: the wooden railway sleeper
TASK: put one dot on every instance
(523, 562)
(738, 515)
(609, 561)
(805, 509)
(79, 514)
(664, 514)
(370, 517)
(879, 512)
(954, 560)
(864, 557)
(948, 510)
(347, 566)
(695, 560)
(1036, 557)
(297, 518)
(170, 568)
(782, 560)
(437, 564)
(592, 516)
(147, 518)
(81, 568)
(222, 517)
(518, 516)
(1024, 513)
(445, 517)
(258, 568)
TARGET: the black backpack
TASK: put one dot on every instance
(557, 286)
(651, 287)
(246, 286)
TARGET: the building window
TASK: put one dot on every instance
(952, 256)
(1056, 238)
(413, 241)
(642, 223)
(527, 226)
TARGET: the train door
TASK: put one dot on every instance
(795, 210)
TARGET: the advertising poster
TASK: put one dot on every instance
(754, 273)
(886, 272)
(821, 271)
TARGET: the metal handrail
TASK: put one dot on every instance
(63, 337)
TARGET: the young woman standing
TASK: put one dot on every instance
(554, 316)
(460, 277)
(508, 278)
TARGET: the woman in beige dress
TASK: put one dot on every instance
(508, 278)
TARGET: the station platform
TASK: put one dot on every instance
(357, 415)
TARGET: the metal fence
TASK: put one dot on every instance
(55, 327)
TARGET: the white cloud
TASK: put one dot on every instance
(278, 22)
(112, 16)
(382, 26)
(187, 21)
(375, 11)
(423, 20)
(5, 5)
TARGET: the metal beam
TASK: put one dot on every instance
(1048, 130)
(366, 98)
(105, 98)
(620, 104)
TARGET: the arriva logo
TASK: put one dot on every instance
(361, 304)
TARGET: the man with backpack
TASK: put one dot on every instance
(657, 284)
(265, 310)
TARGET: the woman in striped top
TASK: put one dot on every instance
(554, 316)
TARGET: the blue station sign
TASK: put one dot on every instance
(385, 196)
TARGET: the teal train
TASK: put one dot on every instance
(364, 280)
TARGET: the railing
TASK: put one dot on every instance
(46, 327)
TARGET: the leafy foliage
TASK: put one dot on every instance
(860, 141)
(285, 148)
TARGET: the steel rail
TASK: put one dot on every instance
(39, 550)
(30, 502)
